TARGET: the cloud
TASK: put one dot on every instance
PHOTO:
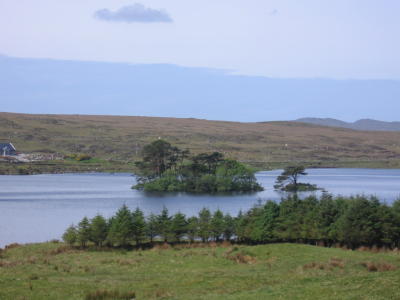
(273, 12)
(133, 13)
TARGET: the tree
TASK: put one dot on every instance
(179, 226)
(70, 236)
(84, 231)
(229, 227)
(269, 221)
(204, 224)
(209, 160)
(98, 230)
(152, 227)
(120, 231)
(138, 226)
(217, 225)
(192, 228)
(165, 168)
(158, 156)
(357, 226)
(164, 224)
(288, 180)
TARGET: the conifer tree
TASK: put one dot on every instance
(84, 231)
(70, 236)
(217, 225)
(152, 227)
(229, 227)
(179, 226)
(164, 224)
(120, 232)
(192, 228)
(138, 226)
(98, 230)
(204, 224)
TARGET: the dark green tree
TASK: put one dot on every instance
(289, 180)
(98, 230)
(70, 236)
(164, 224)
(158, 156)
(269, 221)
(179, 226)
(192, 228)
(229, 227)
(204, 231)
(84, 231)
(217, 225)
(138, 226)
(120, 231)
(152, 227)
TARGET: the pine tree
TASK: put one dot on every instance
(229, 227)
(70, 236)
(204, 224)
(192, 228)
(179, 226)
(98, 230)
(152, 227)
(84, 231)
(121, 227)
(217, 225)
(138, 226)
(164, 224)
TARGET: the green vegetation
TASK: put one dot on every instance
(288, 180)
(198, 271)
(350, 222)
(166, 168)
(117, 141)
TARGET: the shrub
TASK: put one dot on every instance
(378, 267)
(107, 294)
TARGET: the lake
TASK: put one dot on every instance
(38, 208)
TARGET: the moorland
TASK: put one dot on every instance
(115, 142)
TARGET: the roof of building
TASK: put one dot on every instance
(9, 146)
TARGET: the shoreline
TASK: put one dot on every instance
(66, 167)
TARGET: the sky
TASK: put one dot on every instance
(357, 39)
(292, 40)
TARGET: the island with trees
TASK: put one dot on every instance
(288, 181)
(166, 168)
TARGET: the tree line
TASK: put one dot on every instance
(326, 220)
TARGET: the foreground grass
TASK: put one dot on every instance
(276, 271)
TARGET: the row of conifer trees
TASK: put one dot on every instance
(348, 221)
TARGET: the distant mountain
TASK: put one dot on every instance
(364, 124)
(76, 87)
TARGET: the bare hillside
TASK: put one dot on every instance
(121, 137)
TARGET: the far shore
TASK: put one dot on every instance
(64, 167)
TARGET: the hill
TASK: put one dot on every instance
(363, 124)
(29, 85)
(275, 271)
(120, 138)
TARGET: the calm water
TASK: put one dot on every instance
(39, 207)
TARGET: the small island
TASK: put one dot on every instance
(288, 181)
(166, 168)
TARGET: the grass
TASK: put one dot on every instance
(117, 140)
(275, 271)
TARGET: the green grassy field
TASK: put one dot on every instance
(266, 145)
(275, 271)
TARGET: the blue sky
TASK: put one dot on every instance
(288, 39)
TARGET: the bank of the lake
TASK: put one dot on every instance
(126, 166)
